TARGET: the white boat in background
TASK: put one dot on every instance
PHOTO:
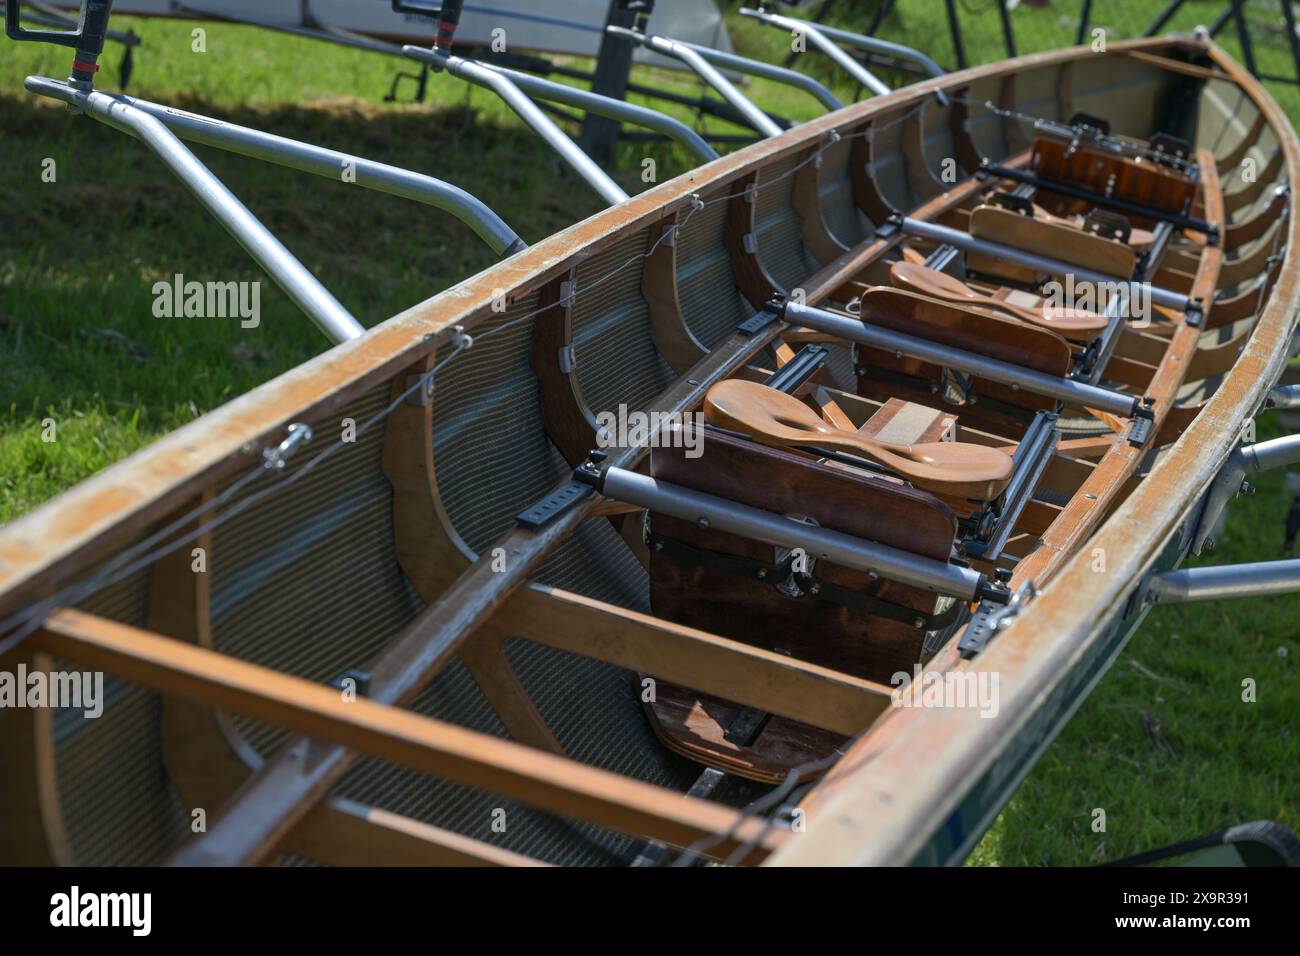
(576, 31)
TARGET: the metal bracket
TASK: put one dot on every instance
(990, 618)
(542, 513)
(274, 459)
(423, 396)
(758, 321)
(568, 359)
(1229, 483)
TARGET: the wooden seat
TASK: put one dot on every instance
(691, 585)
(996, 408)
(1079, 248)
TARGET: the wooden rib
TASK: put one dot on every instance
(1065, 90)
(1244, 304)
(866, 193)
(1142, 346)
(1237, 271)
(485, 658)
(568, 419)
(674, 341)
(1238, 152)
(807, 201)
(919, 178)
(696, 659)
(752, 278)
(1232, 202)
(1216, 359)
(959, 127)
(549, 783)
(1239, 234)
(342, 832)
(206, 757)
(32, 831)
(1016, 139)
(429, 550)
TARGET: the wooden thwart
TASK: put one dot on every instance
(540, 780)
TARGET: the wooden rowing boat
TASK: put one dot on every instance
(430, 640)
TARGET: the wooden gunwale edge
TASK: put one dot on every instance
(886, 805)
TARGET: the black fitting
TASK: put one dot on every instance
(87, 39)
(993, 591)
(592, 471)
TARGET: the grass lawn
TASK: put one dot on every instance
(1164, 745)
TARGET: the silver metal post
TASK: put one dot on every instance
(1258, 579)
(778, 74)
(332, 165)
(290, 274)
(1230, 481)
(823, 42)
(967, 242)
(1271, 454)
(608, 106)
(766, 526)
(706, 71)
(872, 45)
(530, 113)
(1040, 383)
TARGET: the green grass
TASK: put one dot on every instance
(79, 345)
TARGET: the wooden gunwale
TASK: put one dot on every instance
(886, 798)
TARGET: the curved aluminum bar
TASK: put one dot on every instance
(529, 112)
(824, 43)
(778, 74)
(608, 106)
(884, 47)
(732, 517)
(291, 275)
(706, 71)
(330, 164)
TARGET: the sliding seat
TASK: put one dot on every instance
(847, 620)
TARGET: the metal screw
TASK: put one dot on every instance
(702, 523)
(815, 589)
(762, 574)
(659, 545)
(919, 622)
(1246, 488)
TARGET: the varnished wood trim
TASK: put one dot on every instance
(704, 662)
(544, 781)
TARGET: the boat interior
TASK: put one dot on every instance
(561, 641)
